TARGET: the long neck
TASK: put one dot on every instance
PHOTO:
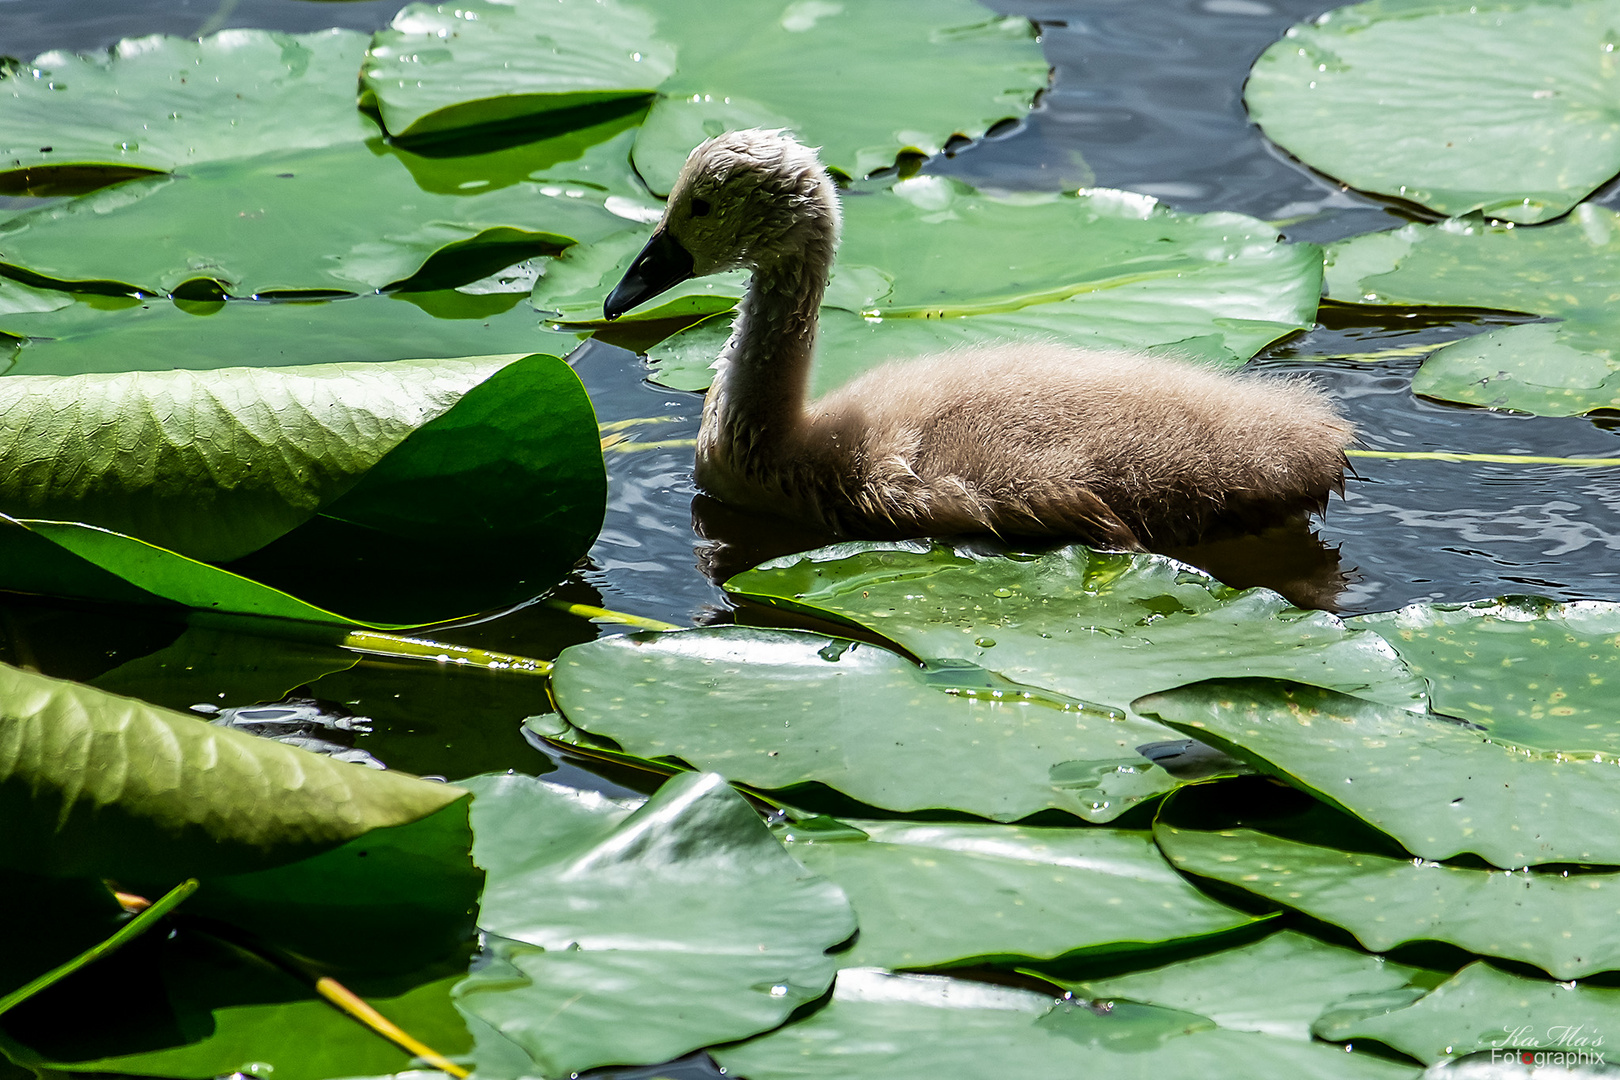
(757, 402)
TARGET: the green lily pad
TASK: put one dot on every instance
(511, 469)
(479, 65)
(946, 68)
(1558, 922)
(621, 935)
(1434, 784)
(1504, 107)
(574, 284)
(106, 335)
(921, 1027)
(1532, 672)
(1564, 270)
(947, 895)
(785, 711)
(99, 785)
(157, 104)
(1482, 1009)
(19, 299)
(245, 227)
(1277, 986)
(1103, 627)
(1216, 287)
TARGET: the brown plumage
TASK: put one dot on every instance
(1020, 440)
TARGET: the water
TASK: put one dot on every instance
(1147, 97)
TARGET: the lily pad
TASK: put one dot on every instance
(947, 895)
(157, 104)
(1277, 986)
(921, 1027)
(1099, 626)
(106, 335)
(247, 227)
(784, 711)
(946, 68)
(99, 785)
(1216, 287)
(1556, 921)
(1504, 107)
(624, 935)
(1481, 1008)
(1564, 270)
(1533, 673)
(1434, 784)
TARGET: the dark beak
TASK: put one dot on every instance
(662, 264)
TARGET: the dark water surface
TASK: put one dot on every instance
(1147, 96)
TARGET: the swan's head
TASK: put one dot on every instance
(746, 199)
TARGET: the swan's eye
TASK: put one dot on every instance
(700, 208)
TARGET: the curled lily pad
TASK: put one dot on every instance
(106, 335)
(99, 785)
(1278, 986)
(920, 1027)
(1558, 922)
(1561, 270)
(1094, 625)
(711, 66)
(1216, 287)
(1504, 107)
(1531, 672)
(1433, 783)
(1481, 1009)
(156, 104)
(786, 711)
(942, 895)
(625, 935)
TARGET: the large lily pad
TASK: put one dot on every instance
(1564, 270)
(1278, 986)
(511, 470)
(921, 1027)
(113, 334)
(1560, 923)
(100, 785)
(623, 936)
(945, 68)
(1482, 1009)
(349, 218)
(944, 895)
(929, 265)
(784, 711)
(1504, 107)
(1431, 782)
(1532, 672)
(156, 104)
(1100, 626)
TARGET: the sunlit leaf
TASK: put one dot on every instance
(1532, 672)
(620, 935)
(1505, 107)
(94, 784)
(1564, 270)
(108, 335)
(922, 1027)
(1216, 287)
(155, 104)
(941, 895)
(785, 711)
(865, 82)
(1482, 1009)
(1099, 627)
(1433, 783)
(1276, 986)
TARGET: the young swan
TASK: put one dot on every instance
(1026, 440)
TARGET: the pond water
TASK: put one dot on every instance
(1147, 96)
